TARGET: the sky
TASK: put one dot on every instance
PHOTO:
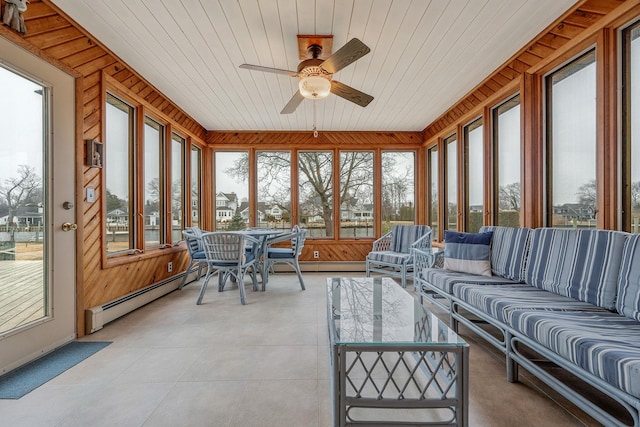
(20, 134)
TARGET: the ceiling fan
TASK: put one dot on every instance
(317, 69)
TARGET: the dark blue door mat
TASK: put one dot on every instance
(20, 381)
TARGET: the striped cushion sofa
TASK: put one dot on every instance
(571, 295)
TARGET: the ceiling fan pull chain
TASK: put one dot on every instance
(315, 130)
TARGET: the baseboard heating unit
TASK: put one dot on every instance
(96, 317)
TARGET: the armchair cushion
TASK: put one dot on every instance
(628, 301)
(468, 252)
(405, 235)
(389, 257)
(281, 253)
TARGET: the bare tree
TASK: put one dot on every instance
(635, 195)
(587, 194)
(510, 197)
(315, 181)
(18, 191)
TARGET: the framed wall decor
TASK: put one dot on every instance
(94, 150)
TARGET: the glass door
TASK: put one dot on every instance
(37, 289)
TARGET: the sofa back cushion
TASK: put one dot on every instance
(628, 302)
(509, 251)
(581, 264)
(405, 235)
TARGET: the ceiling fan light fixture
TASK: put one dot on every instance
(314, 87)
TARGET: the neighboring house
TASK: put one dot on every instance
(226, 206)
(26, 216)
(356, 211)
(118, 217)
(578, 211)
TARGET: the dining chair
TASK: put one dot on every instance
(280, 255)
(193, 238)
(227, 257)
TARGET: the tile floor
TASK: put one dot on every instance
(173, 363)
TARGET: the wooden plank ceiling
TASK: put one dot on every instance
(425, 55)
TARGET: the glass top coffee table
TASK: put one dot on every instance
(392, 361)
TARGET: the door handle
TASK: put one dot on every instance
(67, 226)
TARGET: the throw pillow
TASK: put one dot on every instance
(468, 252)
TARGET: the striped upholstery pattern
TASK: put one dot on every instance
(500, 301)
(604, 344)
(390, 257)
(405, 235)
(509, 251)
(628, 301)
(445, 279)
(581, 264)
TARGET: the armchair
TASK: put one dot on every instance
(289, 256)
(193, 238)
(227, 256)
(391, 253)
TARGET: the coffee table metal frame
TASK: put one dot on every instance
(388, 352)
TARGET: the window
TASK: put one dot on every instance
(120, 125)
(356, 194)
(432, 190)
(274, 189)
(153, 193)
(177, 186)
(315, 194)
(232, 190)
(506, 157)
(451, 158)
(398, 190)
(474, 175)
(196, 173)
(145, 180)
(571, 139)
(631, 128)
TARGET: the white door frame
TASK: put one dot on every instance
(59, 327)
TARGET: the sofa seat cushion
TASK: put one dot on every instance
(500, 301)
(445, 279)
(628, 301)
(604, 344)
(389, 257)
(581, 264)
(509, 251)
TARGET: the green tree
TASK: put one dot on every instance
(237, 223)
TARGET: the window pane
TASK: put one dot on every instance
(315, 181)
(451, 145)
(397, 188)
(23, 209)
(232, 190)
(506, 131)
(196, 168)
(432, 187)
(153, 187)
(474, 158)
(274, 189)
(119, 155)
(356, 194)
(631, 127)
(572, 121)
(177, 186)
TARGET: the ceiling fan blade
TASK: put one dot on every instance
(269, 70)
(350, 94)
(293, 103)
(350, 52)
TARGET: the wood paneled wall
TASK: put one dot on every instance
(56, 38)
(333, 250)
(588, 23)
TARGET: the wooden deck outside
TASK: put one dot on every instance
(21, 293)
